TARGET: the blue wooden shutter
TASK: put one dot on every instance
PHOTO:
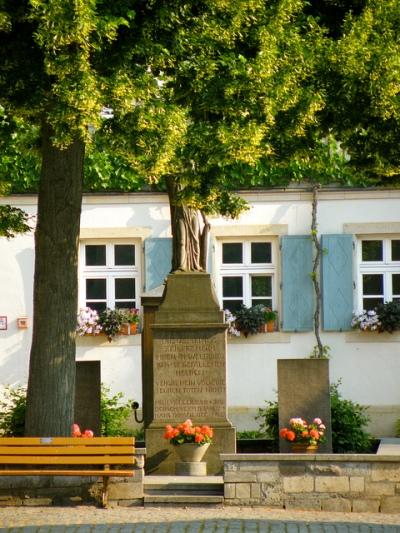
(297, 288)
(337, 282)
(158, 261)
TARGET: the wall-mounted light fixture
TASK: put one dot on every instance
(22, 322)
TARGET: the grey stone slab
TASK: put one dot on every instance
(87, 396)
(307, 402)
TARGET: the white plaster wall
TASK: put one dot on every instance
(368, 367)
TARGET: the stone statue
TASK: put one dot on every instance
(189, 234)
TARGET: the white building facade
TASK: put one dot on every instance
(263, 257)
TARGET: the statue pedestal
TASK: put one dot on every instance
(189, 370)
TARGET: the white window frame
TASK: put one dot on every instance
(387, 267)
(109, 271)
(247, 269)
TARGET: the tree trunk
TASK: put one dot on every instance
(51, 384)
(189, 233)
(314, 276)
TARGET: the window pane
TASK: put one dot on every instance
(370, 303)
(264, 301)
(261, 252)
(232, 286)
(232, 252)
(372, 250)
(96, 289)
(131, 304)
(395, 250)
(124, 288)
(261, 286)
(396, 284)
(98, 306)
(232, 305)
(373, 284)
(124, 254)
(95, 255)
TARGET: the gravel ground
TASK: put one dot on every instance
(11, 517)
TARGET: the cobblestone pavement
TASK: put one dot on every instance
(85, 519)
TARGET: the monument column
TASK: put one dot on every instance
(189, 370)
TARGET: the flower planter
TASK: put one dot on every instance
(128, 329)
(124, 329)
(303, 447)
(190, 452)
(270, 326)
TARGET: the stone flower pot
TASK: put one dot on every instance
(190, 452)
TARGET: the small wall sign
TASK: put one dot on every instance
(3, 322)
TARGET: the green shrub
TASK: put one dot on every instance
(349, 420)
(114, 413)
(250, 435)
(389, 316)
(250, 319)
(12, 412)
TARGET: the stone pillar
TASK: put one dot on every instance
(150, 303)
(189, 370)
(87, 396)
(303, 391)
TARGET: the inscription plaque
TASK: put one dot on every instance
(189, 377)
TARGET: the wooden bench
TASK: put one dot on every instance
(59, 456)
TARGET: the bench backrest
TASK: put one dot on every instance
(67, 451)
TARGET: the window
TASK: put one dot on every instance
(109, 275)
(247, 273)
(379, 260)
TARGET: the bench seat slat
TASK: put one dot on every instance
(65, 450)
(68, 460)
(94, 473)
(67, 441)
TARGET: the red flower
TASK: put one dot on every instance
(198, 438)
(282, 433)
(314, 433)
(76, 430)
(290, 435)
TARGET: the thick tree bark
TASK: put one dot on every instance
(51, 385)
(189, 233)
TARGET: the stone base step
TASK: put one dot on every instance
(180, 499)
(188, 490)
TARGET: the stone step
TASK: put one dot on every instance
(179, 499)
(188, 490)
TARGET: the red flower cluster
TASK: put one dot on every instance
(76, 432)
(187, 432)
(300, 431)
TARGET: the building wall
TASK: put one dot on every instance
(367, 364)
